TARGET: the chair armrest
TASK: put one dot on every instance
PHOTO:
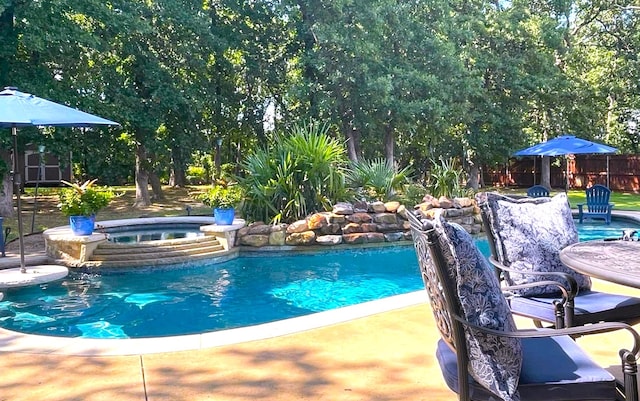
(595, 328)
(568, 293)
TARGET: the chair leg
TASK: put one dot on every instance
(568, 313)
(560, 314)
(630, 371)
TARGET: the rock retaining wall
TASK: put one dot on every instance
(358, 223)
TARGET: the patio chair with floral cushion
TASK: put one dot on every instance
(525, 237)
(482, 355)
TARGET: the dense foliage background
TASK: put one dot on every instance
(407, 82)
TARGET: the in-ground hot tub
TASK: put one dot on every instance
(74, 251)
(155, 232)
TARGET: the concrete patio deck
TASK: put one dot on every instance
(386, 357)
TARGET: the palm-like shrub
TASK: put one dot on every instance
(300, 174)
(376, 179)
(445, 178)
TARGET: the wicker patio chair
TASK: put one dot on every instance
(482, 356)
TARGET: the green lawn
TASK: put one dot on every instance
(622, 200)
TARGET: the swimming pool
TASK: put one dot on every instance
(242, 292)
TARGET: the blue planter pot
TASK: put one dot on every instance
(82, 225)
(224, 217)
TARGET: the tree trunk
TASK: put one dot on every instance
(6, 198)
(142, 178)
(352, 145)
(9, 37)
(389, 144)
(352, 136)
(545, 170)
(177, 177)
(474, 177)
(156, 186)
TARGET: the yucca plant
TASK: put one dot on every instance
(377, 178)
(301, 173)
(445, 178)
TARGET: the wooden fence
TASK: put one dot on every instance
(584, 171)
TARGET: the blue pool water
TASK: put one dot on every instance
(242, 292)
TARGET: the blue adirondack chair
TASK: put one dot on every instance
(597, 205)
(537, 191)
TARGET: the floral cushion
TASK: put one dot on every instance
(529, 235)
(494, 362)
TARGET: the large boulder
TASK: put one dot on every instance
(299, 226)
(360, 217)
(343, 208)
(254, 240)
(303, 238)
(317, 221)
(329, 239)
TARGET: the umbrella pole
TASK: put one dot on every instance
(608, 184)
(16, 187)
(566, 188)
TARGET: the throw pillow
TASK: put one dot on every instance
(495, 362)
(529, 235)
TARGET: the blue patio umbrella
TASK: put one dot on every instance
(567, 145)
(18, 109)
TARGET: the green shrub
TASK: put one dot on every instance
(196, 175)
(445, 179)
(376, 179)
(222, 196)
(412, 194)
(83, 200)
(301, 173)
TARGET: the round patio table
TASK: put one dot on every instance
(616, 261)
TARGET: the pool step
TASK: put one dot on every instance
(155, 252)
(183, 244)
(213, 257)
